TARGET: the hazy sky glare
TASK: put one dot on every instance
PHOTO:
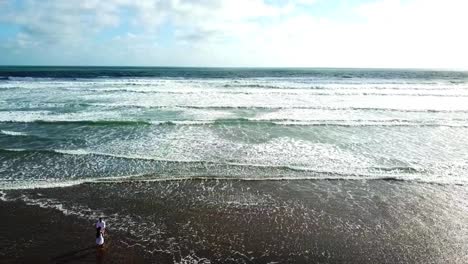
(301, 33)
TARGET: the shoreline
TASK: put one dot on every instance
(301, 221)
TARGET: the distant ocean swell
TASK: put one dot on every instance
(175, 107)
(242, 121)
(118, 90)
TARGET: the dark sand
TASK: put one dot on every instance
(30, 234)
(198, 221)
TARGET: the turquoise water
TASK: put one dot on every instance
(67, 125)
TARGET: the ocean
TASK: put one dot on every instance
(65, 125)
(281, 142)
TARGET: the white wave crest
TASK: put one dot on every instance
(13, 133)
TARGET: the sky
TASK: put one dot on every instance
(236, 33)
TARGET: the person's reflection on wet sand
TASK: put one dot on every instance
(100, 253)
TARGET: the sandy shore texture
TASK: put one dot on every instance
(216, 221)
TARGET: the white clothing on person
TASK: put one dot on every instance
(101, 224)
(100, 240)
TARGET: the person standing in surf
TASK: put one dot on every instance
(101, 224)
(99, 237)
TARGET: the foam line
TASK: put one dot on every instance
(141, 178)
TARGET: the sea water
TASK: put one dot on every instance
(61, 126)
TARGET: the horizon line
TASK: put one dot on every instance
(236, 67)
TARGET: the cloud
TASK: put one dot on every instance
(382, 33)
(58, 21)
(419, 32)
(388, 33)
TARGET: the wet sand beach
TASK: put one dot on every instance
(226, 221)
